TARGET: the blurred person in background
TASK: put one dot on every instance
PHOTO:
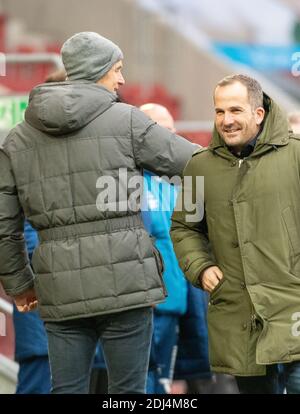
(192, 363)
(31, 346)
(159, 200)
(97, 274)
(245, 248)
(157, 207)
(294, 120)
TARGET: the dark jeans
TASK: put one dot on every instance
(278, 378)
(125, 338)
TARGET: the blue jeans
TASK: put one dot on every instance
(276, 379)
(125, 338)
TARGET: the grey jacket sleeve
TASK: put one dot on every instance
(156, 148)
(15, 273)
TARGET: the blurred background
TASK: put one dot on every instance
(175, 52)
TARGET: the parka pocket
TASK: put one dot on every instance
(217, 288)
(291, 229)
(294, 242)
(217, 294)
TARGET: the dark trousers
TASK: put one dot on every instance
(277, 378)
(125, 338)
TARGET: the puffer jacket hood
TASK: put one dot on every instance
(63, 107)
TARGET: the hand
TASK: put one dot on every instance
(27, 301)
(210, 278)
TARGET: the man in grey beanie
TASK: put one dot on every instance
(89, 56)
(97, 273)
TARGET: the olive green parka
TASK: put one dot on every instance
(251, 230)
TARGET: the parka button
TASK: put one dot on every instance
(244, 326)
(235, 244)
(243, 285)
(233, 163)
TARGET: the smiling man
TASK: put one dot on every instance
(245, 251)
(239, 114)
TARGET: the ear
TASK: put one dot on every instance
(259, 115)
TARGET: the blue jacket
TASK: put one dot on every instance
(31, 238)
(158, 204)
(30, 335)
(192, 358)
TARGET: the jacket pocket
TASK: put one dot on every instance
(160, 267)
(294, 243)
(217, 294)
(291, 229)
(217, 288)
(159, 260)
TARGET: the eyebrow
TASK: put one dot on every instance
(231, 108)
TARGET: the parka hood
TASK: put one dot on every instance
(63, 107)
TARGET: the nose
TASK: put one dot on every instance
(228, 118)
(121, 80)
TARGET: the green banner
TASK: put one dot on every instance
(12, 110)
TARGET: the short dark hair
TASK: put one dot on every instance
(255, 92)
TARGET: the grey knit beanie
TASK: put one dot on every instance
(89, 56)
